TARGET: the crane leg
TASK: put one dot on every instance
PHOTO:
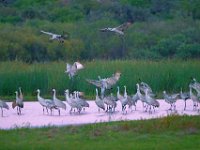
(43, 110)
(70, 112)
(1, 111)
(51, 111)
(19, 110)
(59, 112)
(185, 105)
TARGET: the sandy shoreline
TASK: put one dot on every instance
(32, 115)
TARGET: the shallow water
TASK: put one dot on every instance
(32, 115)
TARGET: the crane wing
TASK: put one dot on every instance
(112, 80)
(78, 65)
(124, 26)
(174, 96)
(94, 82)
(49, 33)
(68, 67)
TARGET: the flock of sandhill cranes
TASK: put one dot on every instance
(108, 103)
(72, 99)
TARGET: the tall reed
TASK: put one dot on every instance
(169, 75)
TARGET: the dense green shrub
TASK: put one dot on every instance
(168, 47)
(187, 51)
(160, 29)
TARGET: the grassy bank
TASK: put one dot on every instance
(173, 132)
(169, 75)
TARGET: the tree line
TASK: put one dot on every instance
(160, 29)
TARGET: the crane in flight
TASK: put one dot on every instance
(118, 30)
(60, 37)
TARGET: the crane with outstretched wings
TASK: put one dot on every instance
(118, 30)
(105, 83)
(59, 37)
(71, 70)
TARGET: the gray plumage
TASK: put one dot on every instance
(105, 83)
(54, 36)
(118, 30)
(119, 96)
(136, 97)
(72, 102)
(21, 94)
(170, 99)
(110, 101)
(124, 100)
(19, 103)
(41, 101)
(50, 105)
(184, 96)
(81, 101)
(46, 103)
(72, 70)
(144, 86)
(141, 97)
(3, 105)
(131, 102)
(195, 84)
(99, 102)
(150, 101)
(57, 102)
(194, 98)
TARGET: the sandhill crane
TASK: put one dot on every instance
(59, 104)
(105, 83)
(72, 102)
(3, 105)
(54, 36)
(144, 86)
(124, 100)
(118, 30)
(41, 101)
(196, 86)
(141, 97)
(171, 99)
(19, 103)
(20, 94)
(150, 101)
(194, 98)
(128, 99)
(110, 101)
(71, 70)
(46, 103)
(136, 97)
(99, 102)
(119, 96)
(80, 101)
(184, 96)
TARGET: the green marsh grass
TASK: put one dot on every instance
(169, 75)
(172, 132)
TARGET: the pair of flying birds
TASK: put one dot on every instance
(118, 30)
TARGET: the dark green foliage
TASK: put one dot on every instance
(168, 47)
(160, 29)
(189, 51)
